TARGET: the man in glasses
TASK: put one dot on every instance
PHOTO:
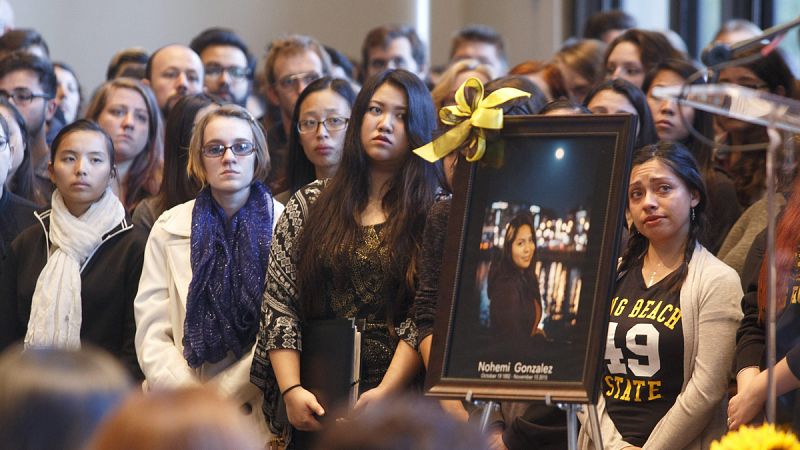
(29, 82)
(228, 64)
(174, 70)
(293, 62)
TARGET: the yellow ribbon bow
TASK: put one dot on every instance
(470, 120)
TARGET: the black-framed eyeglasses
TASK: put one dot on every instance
(22, 96)
(291, 81)
(238, 148)
(333, 123)
(235, 72)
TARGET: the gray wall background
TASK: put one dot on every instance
(86, 33)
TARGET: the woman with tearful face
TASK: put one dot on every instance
(72, 277)
(662, 386)
(197, 309)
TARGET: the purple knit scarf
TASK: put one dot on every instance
(229, 263)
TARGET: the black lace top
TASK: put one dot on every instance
(360, 289)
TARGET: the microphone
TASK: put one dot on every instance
(717, 53)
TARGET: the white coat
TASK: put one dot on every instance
(160, 310)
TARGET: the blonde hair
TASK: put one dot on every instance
(195, 166)
(444, 87)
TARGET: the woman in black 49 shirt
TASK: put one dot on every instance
(663, 386)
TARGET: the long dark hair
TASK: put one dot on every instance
(703, 121)
(176, 185)
(681, 162)
(503, 263)
(647, 129)
(332, 226)
(301, 170)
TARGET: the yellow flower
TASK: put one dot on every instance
(765, 437)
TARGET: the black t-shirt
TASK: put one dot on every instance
(644, 355)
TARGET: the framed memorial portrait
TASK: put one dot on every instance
(533, 238)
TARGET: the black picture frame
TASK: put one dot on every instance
(570, 173)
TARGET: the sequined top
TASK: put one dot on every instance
(359, 289)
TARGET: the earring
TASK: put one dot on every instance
(692, 214)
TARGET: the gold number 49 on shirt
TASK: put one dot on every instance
(645, 332)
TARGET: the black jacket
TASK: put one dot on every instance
(16, 214)
(109, 281)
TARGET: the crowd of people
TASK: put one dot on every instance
(192, 214)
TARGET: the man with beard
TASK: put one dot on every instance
(29, 82)
(227, 62)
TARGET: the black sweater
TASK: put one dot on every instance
(16, 214)
(109, 281)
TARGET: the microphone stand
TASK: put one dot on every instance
(716, 54)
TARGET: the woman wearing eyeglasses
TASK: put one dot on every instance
(197, 309)
(317, 134)
(176, 185)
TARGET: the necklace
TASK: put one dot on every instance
(657, 270)
(652, 278)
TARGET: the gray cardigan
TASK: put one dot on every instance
(709, 300)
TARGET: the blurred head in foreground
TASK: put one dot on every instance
(53, 398)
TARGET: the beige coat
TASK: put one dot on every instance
(160, 310)
(709, 299)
